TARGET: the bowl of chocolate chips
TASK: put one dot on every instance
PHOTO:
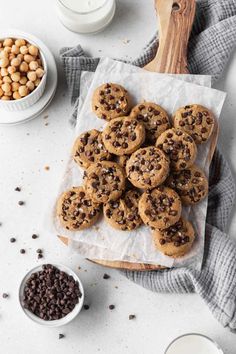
(51, 295)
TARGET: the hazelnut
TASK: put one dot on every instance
(15, 49)
(20, 56)
(20, 42)
(11, 56)
(5, 98)
(15, 76)
(33, 65)
(16, 95)
(24, 50)
(7, 79)
(23, 80)
(32, 75)
(24, 67)
(3, 54)
(4, 62)
(11, 69)
(15, 62)
(33, 50)
(7, 49)
(28, 58)
(1, 92)
(6, 87)
(39, 72)
(15, 86)
(30, 85)
(23, 91)
(4, 71)
(37, 82)
(7, 42)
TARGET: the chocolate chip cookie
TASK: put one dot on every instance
(123, 213)
(123, 135)
(89, 148)
(104, 181)
(191, 184)
(147, 167)
(196, 120)
(76, 210)
(154, 118)
(110, 101)
(122, 160)
(160, 207)
(179, 146)
(176, 240)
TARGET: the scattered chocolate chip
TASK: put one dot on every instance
(12, 239)
(5, 295)
(86, 307)
(34, 236)
(21, 202)
(60, 336)
(40, 255)
(111, 307)
(17, 189)
(132, 317)
(39, 250)
(22, 251)
(106, 276)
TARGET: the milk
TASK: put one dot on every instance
(86, 16)
(193, 344)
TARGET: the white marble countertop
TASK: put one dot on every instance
(25, 150)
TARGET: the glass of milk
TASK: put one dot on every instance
(86, 16)
(193, 343)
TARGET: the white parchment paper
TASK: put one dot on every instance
(102, 241)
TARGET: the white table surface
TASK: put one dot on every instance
(25, 150)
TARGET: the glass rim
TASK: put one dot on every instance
(194, 334)
(85, 12)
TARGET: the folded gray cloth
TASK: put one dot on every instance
(212, 40)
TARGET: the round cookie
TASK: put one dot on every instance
(76, 210)
(104, 181)
(123, 135)
(160, 208)
(89, 148)
(147, 167)
(154, 118)
(191, 184)
(110, 101)
(179, 146)
(123, 213)
(196, 120)
(176, 240)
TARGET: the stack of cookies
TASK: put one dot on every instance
(139, 169)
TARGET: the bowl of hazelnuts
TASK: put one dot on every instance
(23, 72)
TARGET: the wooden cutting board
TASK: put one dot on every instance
(175, 19)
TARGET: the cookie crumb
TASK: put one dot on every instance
(86, 307)
(125, 40)
(111, 307)
(132, 317)
(106, 276)
(61, 335)
(45, 117)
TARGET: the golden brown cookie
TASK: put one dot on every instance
(147, 167)
(196, 120)
(123, 135)
(89, 148)
(191, 184)
(176, 240)
(154, 118)
(179, 146)
(122, 160)
(76, 210)
(104, 181)
(123, 213)
(160, 208)
(110, 101)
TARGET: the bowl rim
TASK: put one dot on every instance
(217, 346)
(53, 323)
(26, 36)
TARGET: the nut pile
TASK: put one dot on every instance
(21, 68)
(51, 293)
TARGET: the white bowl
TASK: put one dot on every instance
(34, 96)
(54, 323)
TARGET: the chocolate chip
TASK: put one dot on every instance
(12, 239)
(106, 276)
(86, 307)
(34, 236)
(21, 202)
(60, 336)
(17, 189)
(39, 250)
(132, 317)
(22, 251)
(111, 307)
(5, 295)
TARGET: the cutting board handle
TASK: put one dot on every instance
(175, 19)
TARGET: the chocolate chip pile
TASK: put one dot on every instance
(51, 293)
(139, 150)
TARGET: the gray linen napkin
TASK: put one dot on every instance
(212, 41)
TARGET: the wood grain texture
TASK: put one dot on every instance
(175, 22)
(175, 19)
